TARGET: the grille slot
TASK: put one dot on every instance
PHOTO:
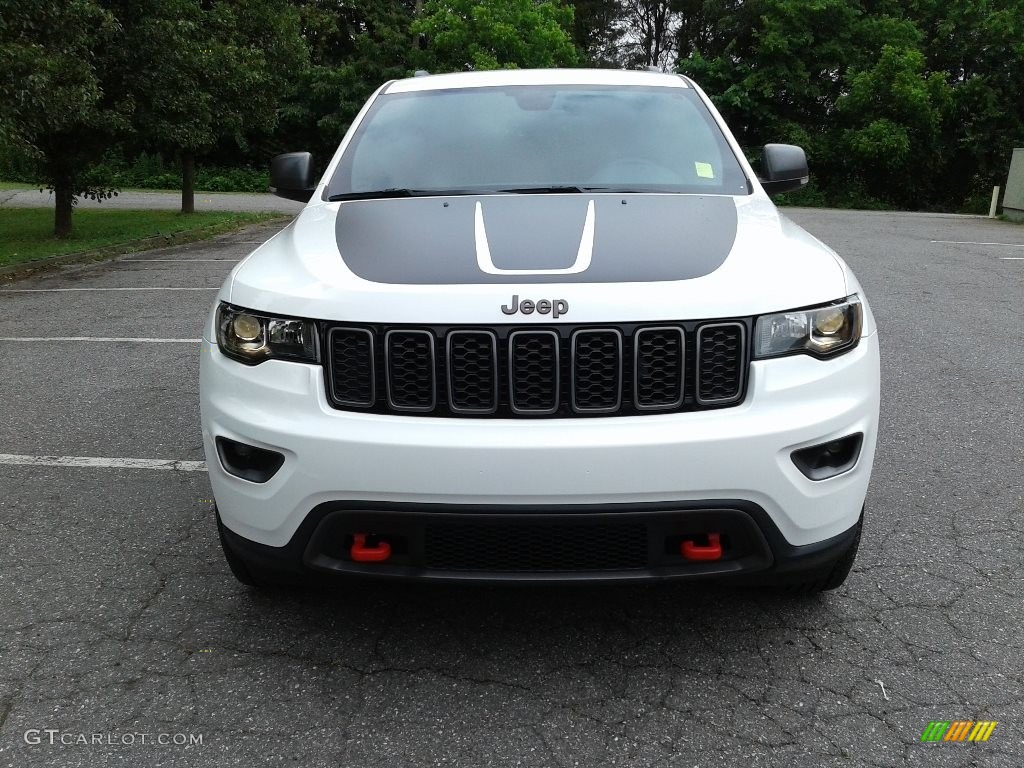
(531, 547)
(351, 372)
(659, 368)
(596, 370)
(533, 373)
(411, 381)
(721, 363)
(472, 372)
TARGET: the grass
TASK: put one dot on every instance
(26, 234)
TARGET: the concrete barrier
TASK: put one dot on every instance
(1013, 198)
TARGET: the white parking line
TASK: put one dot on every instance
(66, 290)
(1011, 258)
(93, 462)
(971, 242)
(100, 338)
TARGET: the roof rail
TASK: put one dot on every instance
(420, 73)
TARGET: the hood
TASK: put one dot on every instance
(526, 239)
(459, 259)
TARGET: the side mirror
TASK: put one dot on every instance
(784, 168)
(291, 176)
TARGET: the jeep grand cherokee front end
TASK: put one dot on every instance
(541, 326)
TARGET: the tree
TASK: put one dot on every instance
(595, 30)
(647, 30)
(893, 113)
(355, 46)
(979, 45)
(494, 34)
(208, 71)
(58, 106)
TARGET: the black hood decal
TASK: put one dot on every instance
(536, 238)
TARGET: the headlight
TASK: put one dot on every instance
(821, 331)
(251, 337)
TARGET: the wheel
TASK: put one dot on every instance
(832, 575)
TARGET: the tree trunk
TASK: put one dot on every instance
(64, 200)
(188, 177)
(417, 40)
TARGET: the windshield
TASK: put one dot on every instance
(538, 138)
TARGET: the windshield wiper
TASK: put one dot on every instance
(557, 189)
(552, 190)
(381, 194)
(565, 189)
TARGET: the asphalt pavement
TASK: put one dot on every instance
(121, 626)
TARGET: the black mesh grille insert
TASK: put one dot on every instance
(533, 371)
(659, 367)
(410, 360)
(352, 366)
(720, 357)
(472, 371)
(521, 371)
(596, 370)
(536, 548)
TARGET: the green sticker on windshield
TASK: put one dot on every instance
(704, 170)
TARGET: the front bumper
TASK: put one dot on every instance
(565, 544)
(739, 453)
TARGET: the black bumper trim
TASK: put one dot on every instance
(763, 551)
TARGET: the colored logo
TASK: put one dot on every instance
(959, 730)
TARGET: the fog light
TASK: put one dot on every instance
(820, 462)
(257, 465)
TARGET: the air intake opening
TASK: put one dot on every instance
(820, 462)
(257, 465)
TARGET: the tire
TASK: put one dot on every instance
(832, 575)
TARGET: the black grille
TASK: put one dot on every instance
(720, 362)
(536, 548)
(410, 366)
(351, 370)
(529, 372)
(659, 368)
(533, 371)
(473, 371)
(596, 370)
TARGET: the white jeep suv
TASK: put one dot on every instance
(541, 326)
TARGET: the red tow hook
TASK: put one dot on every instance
(713, 550)
(361, 553)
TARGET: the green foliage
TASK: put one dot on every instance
(59, 104)
(895, 113)
(495, 34)
(203, 71)
(897, 105)
(354, 49)
(900, 104)
(151, 171)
